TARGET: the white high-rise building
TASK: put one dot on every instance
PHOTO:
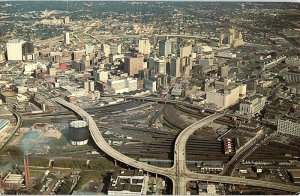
(67, 38)
(67, 20)
(103, 76)
(115, 49)
(144, 46)
(161, 67)
(86, 86)
(105, 49)
(89, 49)
(14, 50)
(92, 85)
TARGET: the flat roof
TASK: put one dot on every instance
(8, 94)
(295, 174)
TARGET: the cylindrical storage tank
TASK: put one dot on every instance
(79, 132)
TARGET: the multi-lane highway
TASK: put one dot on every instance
(16, 128)
(229, 167)
(178, 173)
(180, 153)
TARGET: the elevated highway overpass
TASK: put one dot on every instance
(178, 173)
(104, 146)
(181, 177)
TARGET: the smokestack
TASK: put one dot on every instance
(27, 176)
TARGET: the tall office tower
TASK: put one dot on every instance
(185, 51)
(92, 85)
(115, 49)
(105, 49)
(160, 66)
(223, 71)
(175, 67)
(177, 40)
(144, 74)
(28, 51)
(102, 76)
(89, 49)
(67, 38)
(150, 84)
(133, 64)
(152, 63)
(165, 48)
(231, 37)
(144, 46)
(14, 50)
(67, 20)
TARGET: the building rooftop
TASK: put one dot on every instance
(126, 187)
(13, 178)
(8, 94)
(14, 41)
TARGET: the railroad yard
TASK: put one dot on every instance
(146, 131)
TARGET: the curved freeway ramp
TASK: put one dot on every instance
(17, 127)
(184, 175)
(104, 146)
(180, 153)
(179, 174)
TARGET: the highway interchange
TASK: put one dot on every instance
(178, 173)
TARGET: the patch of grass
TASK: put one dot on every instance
(81, 164)
(63, 146)
(66, 187)
(102, 164)
(62, 141)
(12, 150)
(36, 173)
(38, 161)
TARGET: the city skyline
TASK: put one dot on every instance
(149, 97)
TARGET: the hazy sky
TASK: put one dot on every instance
(292, 1)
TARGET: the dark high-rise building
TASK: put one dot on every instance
(28, 51)
(165, 47)
(133, 64)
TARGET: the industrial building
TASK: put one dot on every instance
(128, 182)
(13, 181)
